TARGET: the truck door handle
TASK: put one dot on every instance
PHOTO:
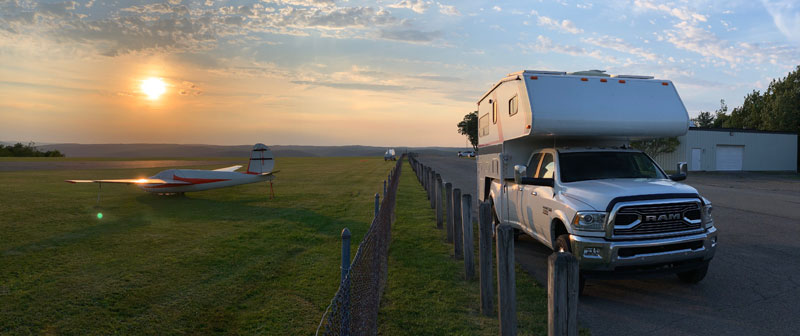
(534, 193)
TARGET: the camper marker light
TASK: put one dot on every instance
(584, 79)
(664, 83)
(622, 81)
(534, 77)
(603, 80)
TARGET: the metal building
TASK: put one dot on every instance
(724, 149)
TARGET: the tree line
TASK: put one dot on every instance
(29, 150)
(776, 109)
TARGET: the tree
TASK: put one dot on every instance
(721, 115)
(704, 119)
(716, 120)
(29, 150)
(469, 128)
(655, 147)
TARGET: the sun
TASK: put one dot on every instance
(153, 87)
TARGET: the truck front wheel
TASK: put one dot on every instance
(694, 276)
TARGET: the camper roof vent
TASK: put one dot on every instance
(632, 76)
(598, 73)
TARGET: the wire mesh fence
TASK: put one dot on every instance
(354, 308)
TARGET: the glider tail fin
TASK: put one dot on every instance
(261, 160)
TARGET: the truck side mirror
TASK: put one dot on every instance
(519, 172)
(681, 173)
(683, 168)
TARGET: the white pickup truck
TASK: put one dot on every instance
(555, 163)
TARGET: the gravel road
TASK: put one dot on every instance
(753, 285)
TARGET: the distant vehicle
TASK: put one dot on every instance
(179, 181)
(466, 154)
(389, 155)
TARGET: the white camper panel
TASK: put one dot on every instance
(580, 107)
(606, 107)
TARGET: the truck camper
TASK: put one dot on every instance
(555, 162)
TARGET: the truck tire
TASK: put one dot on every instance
(694, 276)
(562, 245)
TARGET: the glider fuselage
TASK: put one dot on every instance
(188, 180)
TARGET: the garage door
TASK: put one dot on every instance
(729, 157)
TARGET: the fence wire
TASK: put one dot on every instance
(354, 308)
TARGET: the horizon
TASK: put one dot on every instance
(334, 73)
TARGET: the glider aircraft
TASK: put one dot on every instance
(179, 181)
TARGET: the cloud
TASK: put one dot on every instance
(410, 35)
(546, 45)
(786, 16)
(564, 26)
(497, 9)
(682, 13)
(418, 6)
(448, 10)
(618, 44)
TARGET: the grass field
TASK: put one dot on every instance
(222, 261)
(426, 292)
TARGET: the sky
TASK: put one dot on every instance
(332, 72)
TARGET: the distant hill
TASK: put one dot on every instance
(176, 151)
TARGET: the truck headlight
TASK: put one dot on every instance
(589, 221)
(708, 221)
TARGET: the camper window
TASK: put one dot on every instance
(483, 125)
(512, 106)
(494, 111)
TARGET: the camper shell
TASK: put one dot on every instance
(555, 109)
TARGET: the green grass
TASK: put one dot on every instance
(223, 261)
(426, 292)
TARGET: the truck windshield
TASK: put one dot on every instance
(582, 166)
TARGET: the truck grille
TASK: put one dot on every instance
(657, 219)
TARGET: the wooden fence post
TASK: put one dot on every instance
(466, 230)
(458, 251)
(562, 294)
(485, 257)
(432, 184)
(448, 195)
(506, 281)
(439, 210)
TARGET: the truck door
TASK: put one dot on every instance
(525, 197)
(539, 200)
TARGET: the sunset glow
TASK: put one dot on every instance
(322, 72)
(153, 88)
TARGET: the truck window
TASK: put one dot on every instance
(547, 167)
(512, 106)
(582, 166)
(533, 164)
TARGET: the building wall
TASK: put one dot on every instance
(762, 151)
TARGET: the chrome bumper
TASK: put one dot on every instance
(608, 258)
